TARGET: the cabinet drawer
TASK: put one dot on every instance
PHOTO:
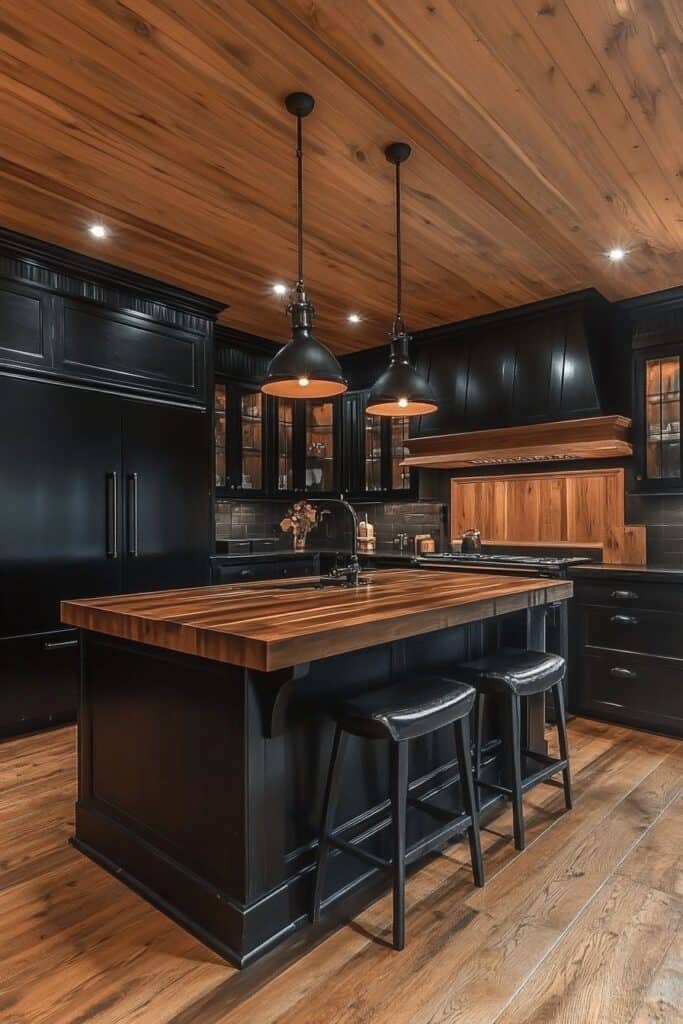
(38, 681)
(633, 629)
(269, 569)
(630, 594)
(633, 689)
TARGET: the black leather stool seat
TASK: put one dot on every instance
(509, 670)
(405, 710)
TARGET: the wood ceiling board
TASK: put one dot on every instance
(543, 134)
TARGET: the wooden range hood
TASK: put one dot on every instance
(596, 437)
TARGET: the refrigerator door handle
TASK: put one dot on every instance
(133, 515)
(112, 515)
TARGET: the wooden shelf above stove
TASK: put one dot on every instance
(596, 437)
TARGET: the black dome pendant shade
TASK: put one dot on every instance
(304, 367)
(400, 390)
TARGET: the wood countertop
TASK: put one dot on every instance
(269, 625)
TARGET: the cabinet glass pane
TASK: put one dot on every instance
(372, 465)
(319, 446)
(251, 419)
(400, 475)
(220, 428)
(663, 418)
(285, 430)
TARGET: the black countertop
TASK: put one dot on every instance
(608, 570)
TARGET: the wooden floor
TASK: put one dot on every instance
(584, 927)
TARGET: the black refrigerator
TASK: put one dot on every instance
(99, 494)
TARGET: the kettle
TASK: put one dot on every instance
(471, 542)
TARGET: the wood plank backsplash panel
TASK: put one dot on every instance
(581, 507)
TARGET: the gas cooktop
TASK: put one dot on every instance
(532, 560)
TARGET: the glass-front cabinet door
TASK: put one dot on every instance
(658, 420)
(306, 439)
(374, 448)
(320, 449)
(239, 439)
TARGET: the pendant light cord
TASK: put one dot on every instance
(300, 206)
(398, 319)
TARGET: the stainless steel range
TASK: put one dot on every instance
(514, 564)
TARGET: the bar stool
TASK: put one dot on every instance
(517, 674)
(398, 714)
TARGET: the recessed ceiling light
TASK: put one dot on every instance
(280, 289)
(353, 318)
(616, 254)
(98, 231)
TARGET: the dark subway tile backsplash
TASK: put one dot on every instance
(248, 520)
(663, 517)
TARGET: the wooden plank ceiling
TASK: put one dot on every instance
(545, 132)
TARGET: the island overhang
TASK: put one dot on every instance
(269, 625)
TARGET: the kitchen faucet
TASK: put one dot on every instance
(347, 575)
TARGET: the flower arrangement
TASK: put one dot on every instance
(301, 518)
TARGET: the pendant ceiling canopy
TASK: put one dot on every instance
(400, 390)
(304, 367)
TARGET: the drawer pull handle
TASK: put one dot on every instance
(622, 673)
(624, 620)
(624, 595)
(58, 645)
(246, 572)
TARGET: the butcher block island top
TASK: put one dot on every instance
(269, 625)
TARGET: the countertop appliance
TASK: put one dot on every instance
(471, 542)
(514, 564)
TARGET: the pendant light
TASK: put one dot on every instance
(304, 367)
(400, 390)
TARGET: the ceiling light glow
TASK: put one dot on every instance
(98, 231)
(616, 254)
(280, 289)
(353, 318)
(304, 382)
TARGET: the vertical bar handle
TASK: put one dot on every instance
(112, 515)
(133, 515)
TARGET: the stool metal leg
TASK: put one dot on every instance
(481, 701)
(462, 745)
(515, 756)
(558, 693)
(329, 807)
(399, 801)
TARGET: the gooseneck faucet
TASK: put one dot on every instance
(350, 574)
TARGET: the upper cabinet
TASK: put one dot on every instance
(658, 354)
(308, 445)
(240, 439)
(373, 450)
(69, 317)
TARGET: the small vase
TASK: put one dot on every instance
(299, 542)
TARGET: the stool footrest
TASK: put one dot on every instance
(552, 768)
(456, 823)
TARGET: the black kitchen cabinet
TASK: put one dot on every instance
(373, 449)
(241, 439)
(101, 494)
(657, 419)
(268, 567)
(627, 635)
(69, 317)
(306, 437)
(38, 681)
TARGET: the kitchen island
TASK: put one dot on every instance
(203, 743)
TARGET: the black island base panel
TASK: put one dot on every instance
(201, 783)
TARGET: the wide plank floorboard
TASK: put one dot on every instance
(583, 926)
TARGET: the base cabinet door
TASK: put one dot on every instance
(38, 681)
